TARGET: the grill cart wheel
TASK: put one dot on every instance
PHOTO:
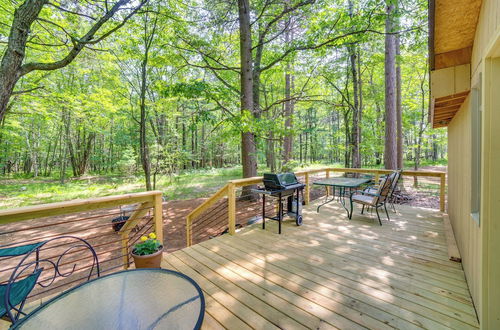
(298, 221)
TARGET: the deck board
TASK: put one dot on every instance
(332, 273)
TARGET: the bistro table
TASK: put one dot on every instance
(132, 299)
(342, 184)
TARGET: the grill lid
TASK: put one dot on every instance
(275, 181)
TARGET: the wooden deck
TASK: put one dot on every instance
(332, 273)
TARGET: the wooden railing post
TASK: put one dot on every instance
(377, 177)
(124, 243)
(306, 198)
(189, 241)
(328, 189)
(158, 217)
(134, 219)
(231, 208)
(442, 192)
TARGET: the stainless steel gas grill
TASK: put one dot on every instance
(283, 187)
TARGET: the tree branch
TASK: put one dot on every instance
(88, 38)
(27, 90)
(70, 11)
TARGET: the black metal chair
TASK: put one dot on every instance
(27, 273)
(377, 199)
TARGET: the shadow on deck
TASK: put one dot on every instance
(332, 273)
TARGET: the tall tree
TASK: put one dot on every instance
(390, 153)
(399, 106)
(356, 113)
(289, 104)
(12, 67)
(150, 20)
(248, 148)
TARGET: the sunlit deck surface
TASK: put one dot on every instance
(332, 273)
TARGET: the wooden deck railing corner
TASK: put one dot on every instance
(149, 200)
(229, 191)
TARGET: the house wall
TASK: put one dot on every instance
(467, 232)
(479, 244)
(489, 21)
(490, 201)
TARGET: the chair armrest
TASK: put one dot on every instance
(362, 192)
(373, 186)
(371, 194)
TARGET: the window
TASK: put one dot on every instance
(476, 115)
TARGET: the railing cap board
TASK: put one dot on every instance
(384, 171)
(237, 183)
(258, 179)
(246, 181)
(219, 194)
(79, 205)
(317, 170)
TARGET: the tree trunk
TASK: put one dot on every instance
(248, 148)
(14, 55)
(270, 153)
(390, 155)
(347, 155)
(399, 108)
(289, 108)
(12, 67)
(203, 160)
(356, 124)
(145, 161)
(289, 104)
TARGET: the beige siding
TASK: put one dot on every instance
(489, 22)
(467, 232)
(470, 236)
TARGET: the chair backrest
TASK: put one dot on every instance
(397, 176)
(385, 187)
(53, 260)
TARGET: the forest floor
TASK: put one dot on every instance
(191, 184)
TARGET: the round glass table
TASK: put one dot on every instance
(133, 299)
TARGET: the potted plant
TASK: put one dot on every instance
(148, 252)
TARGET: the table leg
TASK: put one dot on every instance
(327, 200)
(280, 214)
(263, 211)
(342, 199)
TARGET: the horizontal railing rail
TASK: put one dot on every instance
(228, 192)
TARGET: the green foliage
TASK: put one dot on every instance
(127, 164)
(87, 114)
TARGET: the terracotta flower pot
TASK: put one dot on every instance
(148, 261)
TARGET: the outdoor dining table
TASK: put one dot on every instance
(343, 185)
(132, 299)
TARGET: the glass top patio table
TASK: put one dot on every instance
(133, 299)
(343, 184)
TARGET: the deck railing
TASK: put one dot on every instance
(88, 219)
(223, 204)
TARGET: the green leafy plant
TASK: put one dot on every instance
(148, 245)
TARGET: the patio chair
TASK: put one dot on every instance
(373, 189)
(27, 273)
(375, 200)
